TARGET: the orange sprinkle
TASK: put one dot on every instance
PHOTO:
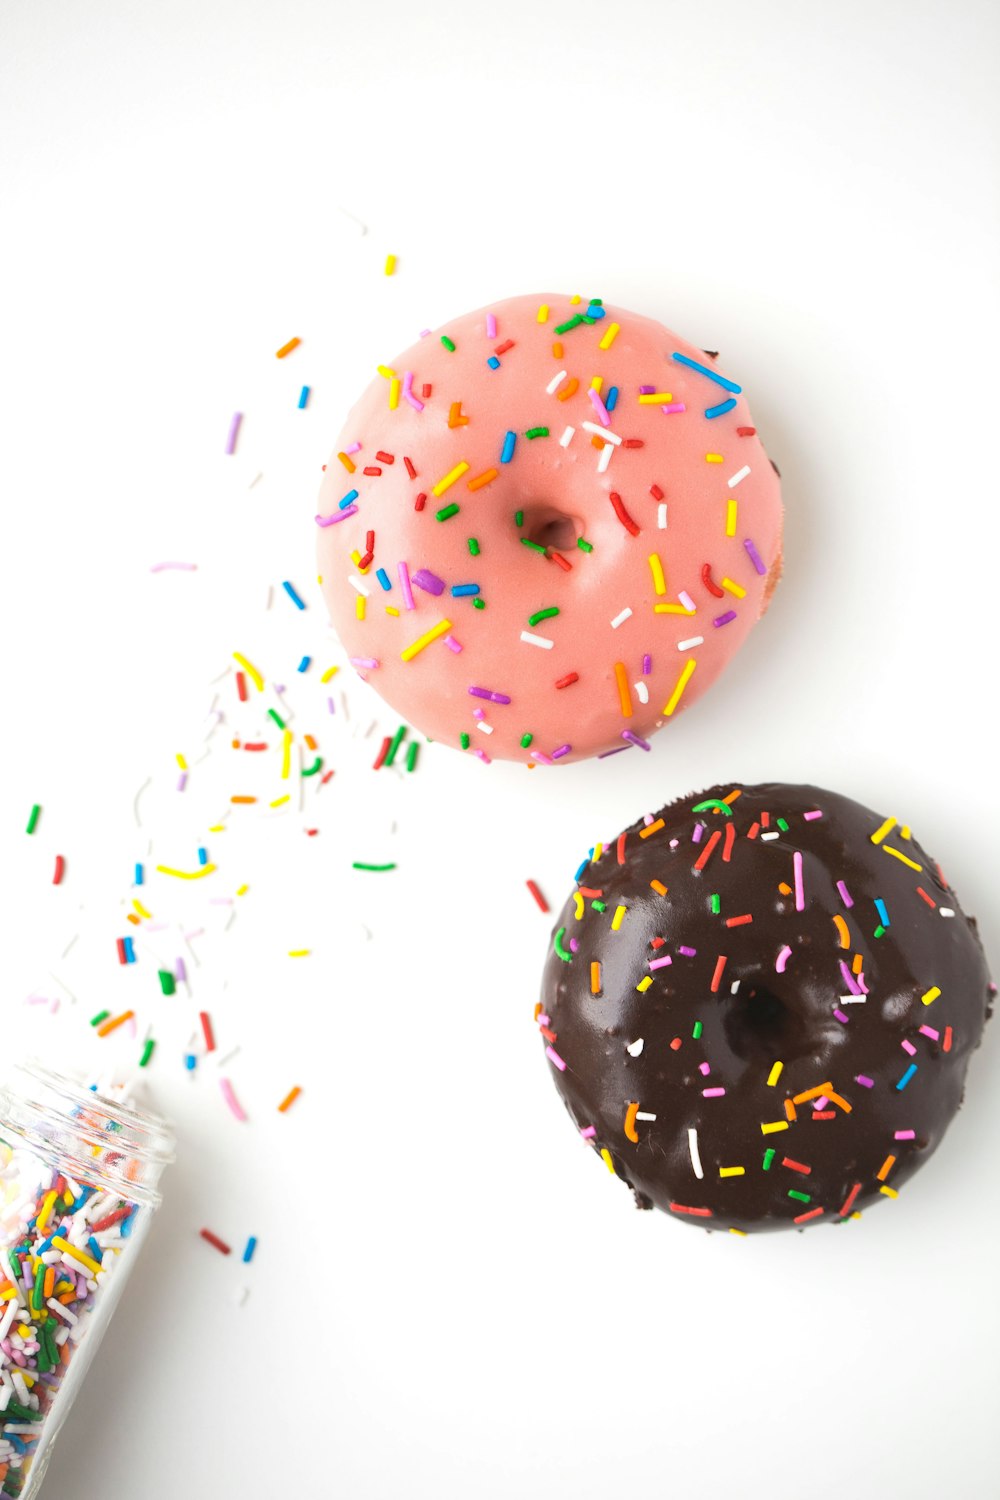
(243, 799)
(289, 1099)
(733, 795)
(486, 477)
(644, 833)
(287, 348)
(630, 1129)
(885, 1169)
(823, 1088)
(839, 1100)
(310, 742)
(841, 926)
(348, 465)
(785, 890)
(658, 887)
(790, 1110)
(49, 1282)
(572, 385)
(131, 917)
(455, 417)
(595, 977)
(624, 696)
(106, 1027)
(857, 964)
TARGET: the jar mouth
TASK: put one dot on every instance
(101, 1140)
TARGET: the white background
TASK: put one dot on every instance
(451, 1297)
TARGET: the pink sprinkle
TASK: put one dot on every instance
(783, 958)
(589, 1133)
(820, 1104)
(234, 432)
(849, 979)
(408, 395)
(338, 515)
(865, 1081)
(810, 815)
(353, 448)
(697, 831)
(800, 899)
(540, 755)
(404, 584)
(184, 567)
(600, 408)
(491, 326)
(845, 894)
(905, 1135)
(712, 1093)
(674, 406)
(363, 661)
(687, 601)
(554, 1057)
(908, 1047)
(929, 1031)
(182, 781)
(543, 1020)
(452, 644)
(688, 952)
(478, 713)
(660, 963)
(484, 757)
(704, 1069)
(841, 1017)
(231, 1099)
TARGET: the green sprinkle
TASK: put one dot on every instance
(519, 518)
(879, 931)
(800, 1197)
(535, 546)
(479, 603)
(526, 740)
(473, 546)
(411, 756)
(769, 1156)
(463, 740)
(33, 819)
(534, 432)
(696, 1030)
(21, 1412)
(317, 765)
(561, 952)
(357, 865)
(573, 323)
(716, 903)
(542, 614)
(782, 825)
(102, 1015)
(277, 718)
(397, 740)
(448, 343)
(597, 905)
(584, 546)
(447, 513)
(147, 1053)
(168, 983)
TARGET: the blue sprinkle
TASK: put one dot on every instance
(463, 590)
(203, 856)
(508, 447)
(612, 400)
(139, 875)
(303, 397)
(129, 950)
(721, 409)
(19, 1446)
(727, 385)
(95, 1250)
(189, 1062)
(595, 310)
(128, 1224)
(305, 664)
(493, 362)
(882, 911)
(348, 499)
(580, 871)
(907, 1076)
(251, 1247)
(290, 591)
(383, 579)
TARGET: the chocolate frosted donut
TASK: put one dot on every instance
(760, 1007)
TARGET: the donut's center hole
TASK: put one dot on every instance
(757, 1022)
(547, 526)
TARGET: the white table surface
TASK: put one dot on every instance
(450, 1297)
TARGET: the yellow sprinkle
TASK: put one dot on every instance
(644, 984)
(47, 1206)
(181, 762)
(390, 264)
(773, 1126)
(543, 313)
(774, 1074)
(67, 1249)
(595, 977)
(330, 672)
(618, 918)
(450, 478)
(414, 649)
(741, 1232)
(242, 890)
(880, 833)
(359, 606)
(671, 609)
(931, 995)
(734, 588)
(596, 383)
(286, 754)
(279, 800)
(217, 828)
(888, 1191)
(682, 682)
(386, 372)
(610, 336)
(576, 299)
(904, 831)
(898, 854)
(186, 874)
(713, 458)
(606, 1158)
(393, 394)
(140, 908)
(731, 518)
(656, 568)
(391, 609)
(598, 851)
(250, 670)
(578, 906)
(732, 1171)
(655, 398)
(298, 952)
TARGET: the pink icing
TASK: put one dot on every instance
(563, 494)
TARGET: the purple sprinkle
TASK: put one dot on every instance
(182, 781)
(499, 698)
(616, 751)
(647, 390)
(688, 952)
(481, 692)
(674, 406)
(452, 644)
(429, 582)
(234, 432)
(849, 979)
(647, 665)
(330, 705)
(754, 556)
(842, 1017)
(810, 815)
(845, 894)
(724, 619)
(338, 515)
(180, 970)
(362, 661)
(865, 1081)
(563, 750)
(697, 831)
(634, 739)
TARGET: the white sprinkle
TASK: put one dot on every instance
(642, 1114)
(356, 583)
(355, 223)
(661, 515)
(734, 986)
(567, 437)
(774, 835)
(605, 458)
(687, 602)
(486, 728)
(695, 1157)
(946, 911)
(555, 382)
(695, 640)
(602, 432)
(853, 999)
(741, 474)
(536, 640)
(620, 619)
(641, 691)
(634, 1048)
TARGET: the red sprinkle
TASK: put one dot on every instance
(502, 348)
(241, 686)
(385, 458)
(409, 467)
(746, 431)
(622, 514)
(215, 1242)
(720, 965)
(739, 921)
(206, 1026)
(557, 557)
(60, 867)
(620, 848)
(795, 1166)
(849, 1200)
(824, 1114)
(633, 443)
(568, 680)
(753, 830)
(543, 905)
(675, 1045)
(550, 1036)
(420, 502)
(379, 760)
(812, 1213)
(109, 1219)
(656, 492)
(590, 892)
(425, 391)
(946, 1043)
(930, 902)
(701, 1213)
(727, 848)
(372, 470)
(706, 853)
(706, 578)
(122, 955)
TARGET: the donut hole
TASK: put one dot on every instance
(758, 1023)
(547, 526)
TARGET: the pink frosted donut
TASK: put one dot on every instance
(547, 529)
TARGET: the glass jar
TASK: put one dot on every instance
(78, 1189)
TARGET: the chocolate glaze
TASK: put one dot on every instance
(796, 1017)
